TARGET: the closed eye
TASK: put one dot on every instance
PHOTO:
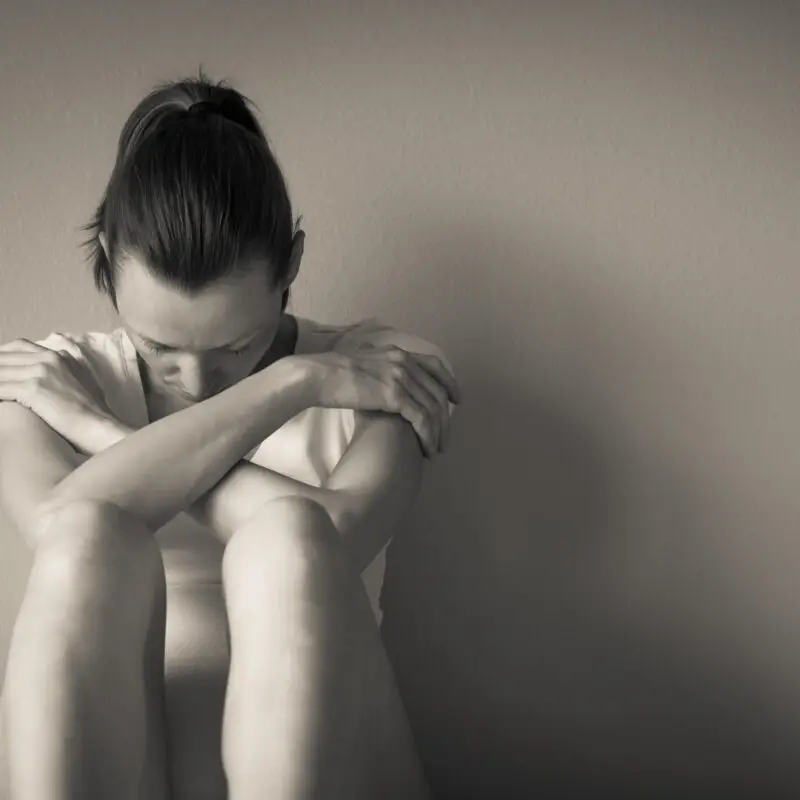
(158, 349)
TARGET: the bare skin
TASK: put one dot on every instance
(312, 708)
(86, 657)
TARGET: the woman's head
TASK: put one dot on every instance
(194, 240)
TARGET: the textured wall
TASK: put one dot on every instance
(593, 208)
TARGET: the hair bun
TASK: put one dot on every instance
(205, 106)
(224, 106)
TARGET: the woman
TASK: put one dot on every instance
(298, 444)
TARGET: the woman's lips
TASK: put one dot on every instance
(190, 399)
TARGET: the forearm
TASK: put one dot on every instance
(246, 488)
(240, 493)
(167, 466)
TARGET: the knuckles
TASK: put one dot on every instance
(41, 371)
(397, 354)
(398, 372)
(394, 397)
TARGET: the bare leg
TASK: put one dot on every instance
(312, 709)
(81, 662)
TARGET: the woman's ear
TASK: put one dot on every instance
(295, 258)
(103, 242)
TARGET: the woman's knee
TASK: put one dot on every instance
(290, 537)
(89, 537)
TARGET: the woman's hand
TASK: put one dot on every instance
(56, 387)
(417, 386)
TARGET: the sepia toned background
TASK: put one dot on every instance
(593, 208)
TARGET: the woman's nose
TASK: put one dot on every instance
(196, 379)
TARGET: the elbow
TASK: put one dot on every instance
(55, 502)
(342, 507)
(363, 531)
(40, 520)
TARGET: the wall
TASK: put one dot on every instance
(593, 208)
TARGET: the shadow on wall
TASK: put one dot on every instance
(528, 665)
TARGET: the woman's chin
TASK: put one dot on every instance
(183, 398)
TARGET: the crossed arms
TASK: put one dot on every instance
(189, 462)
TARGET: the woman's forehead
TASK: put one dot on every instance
(217, 316)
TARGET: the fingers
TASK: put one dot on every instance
(418, 415)
(14, 391)
(433, 396)
(428, 408)
(21, 352)
(25, 345)
(427, 384)
(26, 360)
(423, 401)
(431, 363)
(18, 364)
(437, 368)
(18, 357)
(21, 372)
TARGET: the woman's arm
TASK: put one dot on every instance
(163, 468)
(369, 492)
(378, 478)
(241, 492)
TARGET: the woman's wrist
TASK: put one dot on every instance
(106, 431)
(98, 433)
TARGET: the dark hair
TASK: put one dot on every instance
(193, 191)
